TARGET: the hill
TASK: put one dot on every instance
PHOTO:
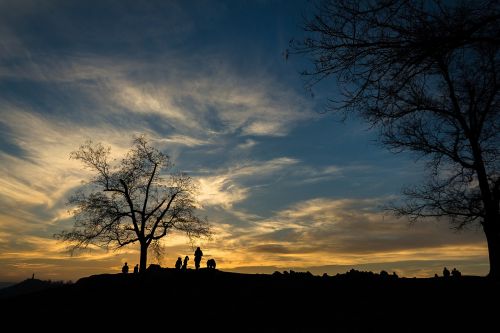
(27, 287)
(6, 284)
(356, 301)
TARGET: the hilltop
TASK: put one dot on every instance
(293, 301)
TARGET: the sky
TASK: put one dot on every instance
(284, 184)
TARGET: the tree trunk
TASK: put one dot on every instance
(491, 223)
(492, 233)
(144, 258)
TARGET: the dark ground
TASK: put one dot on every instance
(211, 300)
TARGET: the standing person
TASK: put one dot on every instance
(186, 259)
(125, 269)
(178, 263)
(197, 257)
(136, 269)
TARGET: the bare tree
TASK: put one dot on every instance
(425, 72)
(129, 201)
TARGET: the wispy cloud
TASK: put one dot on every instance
(220, 191)
(211, 98)
(183, 140)
(45, 172)
(249, 143)
(225, 187)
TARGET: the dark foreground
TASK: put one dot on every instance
(168, 300)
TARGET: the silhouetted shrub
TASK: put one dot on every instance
(154, 268)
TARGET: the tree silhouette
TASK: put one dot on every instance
(426, 74)
(129, 201)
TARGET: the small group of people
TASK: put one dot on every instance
(454, 272)
(125, 269)
(179, 264)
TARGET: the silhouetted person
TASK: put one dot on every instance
(455, 273)
(185, 264)
(125, 269)
(136, 269)
(197, 257)
(446, 272)
(178, 263)
(211, 264)
(33, 276)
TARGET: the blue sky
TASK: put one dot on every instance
(284, 184)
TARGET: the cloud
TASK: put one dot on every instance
(220, 191)
(226, 188)
(214, 98)
(275, 128)
(248, 144)
(45, 172)
(183, 140)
